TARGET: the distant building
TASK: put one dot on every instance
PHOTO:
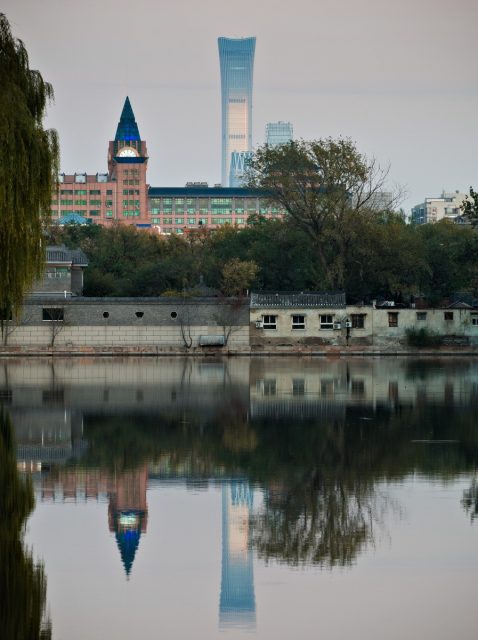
(119, 194)
(63, 275)
(446, 207)
(122, 195)
(238, 166)
(279, 133)
(236, 59)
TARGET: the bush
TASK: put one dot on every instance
(423, 338)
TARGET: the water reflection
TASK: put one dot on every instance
(237, 606)
(22, 581)
(299, 448)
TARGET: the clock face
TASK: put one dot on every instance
(127, 152)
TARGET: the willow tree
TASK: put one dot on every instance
(28, 165)
(326, 187)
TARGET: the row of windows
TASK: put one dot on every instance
(84, 192)
(268, 386)
(57, 314)
(269, 321)
(131, 182)
(421, 316)
(132, 172)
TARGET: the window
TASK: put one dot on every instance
(474, 319)
(358, 320)
(179, 221)
(392, 319)
(269, 322)
(52, 314)
(95, 203)
(298, 387)
(109, 214)
(106, 314)
(139, 314)
(421, 316)
(95, 212)
(327, 321)
(298, 322)
(449, 316)
(95, 192)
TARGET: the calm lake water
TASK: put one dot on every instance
(270, 498)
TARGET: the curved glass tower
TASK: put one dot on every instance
(236, 59)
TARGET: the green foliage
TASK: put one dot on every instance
(28, 168)
(383, 257)
(22, 582)
(327, 188)
(423, 337)
(237, 276)
(470, 207)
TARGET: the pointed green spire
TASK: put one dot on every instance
(127, 128)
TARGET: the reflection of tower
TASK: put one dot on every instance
(128, 512)
(237, 606)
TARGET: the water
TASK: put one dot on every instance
(268, 498)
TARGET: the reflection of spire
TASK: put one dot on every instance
(128, 533)
(237, 606)
(128, 513)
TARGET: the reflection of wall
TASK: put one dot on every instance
(47, 434)
(237, 607)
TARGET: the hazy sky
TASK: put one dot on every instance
(398, 77)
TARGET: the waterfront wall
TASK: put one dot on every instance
(201, 324)
(106, 323)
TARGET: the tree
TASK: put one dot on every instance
(28, 165)
(323, 186)
(238, 275)
(470, 207)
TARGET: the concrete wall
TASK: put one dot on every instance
(460, 329)
(140, 322)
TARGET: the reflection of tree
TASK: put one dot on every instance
(327, 526)
(22, 582)
(470, 500)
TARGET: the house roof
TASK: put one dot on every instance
(298, 299)
(74, 257)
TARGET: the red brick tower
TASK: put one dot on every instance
(127, 164)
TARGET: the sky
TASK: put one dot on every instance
(398, 78)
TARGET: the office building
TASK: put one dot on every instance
(278, 133)
(236, 59)
(445, 207)
(122, 195)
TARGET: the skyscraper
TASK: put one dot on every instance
(238, 166)
(236, 59)
(278, 133)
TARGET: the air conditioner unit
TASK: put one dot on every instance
(259, 324)
(337, 325)
(348, 324)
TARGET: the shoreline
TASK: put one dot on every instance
(6, 353)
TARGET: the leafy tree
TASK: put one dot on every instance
(470, 207)
(28, 167)
(323, 185)
(238, 275)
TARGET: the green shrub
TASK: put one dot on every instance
(423, 338)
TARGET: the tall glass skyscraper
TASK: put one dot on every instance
(278, 133)
(236, 59)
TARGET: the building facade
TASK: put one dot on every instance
(123, 195)
(236, 60)
(446, 207)
(279, 133)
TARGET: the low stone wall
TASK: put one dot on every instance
(134, 323)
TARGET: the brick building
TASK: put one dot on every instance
(123, 194)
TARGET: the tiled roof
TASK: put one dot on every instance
(298, 299)
(63, 254)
